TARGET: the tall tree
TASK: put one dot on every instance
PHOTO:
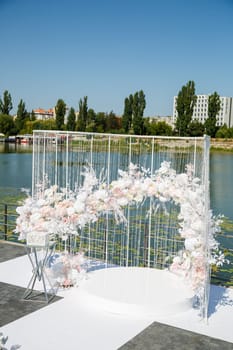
(100, 122)
(60, 112)
(7, 125)
(185, 103)
(128, 114)
(32, 116)
(82, 115)
(113, 123)
(6, 103)
(22, 116)
(214, 106)
(71, 120)
(91, 120)
(139, 104)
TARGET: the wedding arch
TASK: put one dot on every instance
(151, 194)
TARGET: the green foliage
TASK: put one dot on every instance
(214, 105)
(22, 117)
(82, 115)
(71, 120)
(100, 122)
(224, 132)
(139, 104)
(6, 103)
(60, 111)
(113, 124)
(132, 119)
(7, 125)
(91, 117)
(49, 124)
(128, 114)
(155, 127)
(196, 128)
(32, 116)
(186, 101)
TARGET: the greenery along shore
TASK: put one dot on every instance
(225, 145)
(132, 120)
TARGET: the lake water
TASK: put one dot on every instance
(16, 172)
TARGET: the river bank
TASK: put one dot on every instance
(222, 145)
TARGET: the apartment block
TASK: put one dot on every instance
(200, 111)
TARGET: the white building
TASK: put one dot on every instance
(167, 119)
(46, 114)
(200, 111)
(43, 114)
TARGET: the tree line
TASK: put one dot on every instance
(131, 122)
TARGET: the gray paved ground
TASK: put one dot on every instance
(12, 306)
(10, 251)
(162, 337)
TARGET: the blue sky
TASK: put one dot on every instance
(108, 49)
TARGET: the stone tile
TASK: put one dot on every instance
(10, 251)
(163, 337)
(12, 306)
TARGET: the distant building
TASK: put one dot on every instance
(43, 114)
(200, 111)
(167, 119)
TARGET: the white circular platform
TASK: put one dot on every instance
(135, 291)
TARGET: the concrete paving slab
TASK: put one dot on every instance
(12, 306)
(10, 250)
(159, 336)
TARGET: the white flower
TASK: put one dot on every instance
(79, 206)
(191, 243)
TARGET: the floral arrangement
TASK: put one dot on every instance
(66, 269)
(63, 212)
(3, 341)
(200, 247)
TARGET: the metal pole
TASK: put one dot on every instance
(5, 222)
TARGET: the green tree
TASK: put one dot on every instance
(155, 127)
(91, 120)
(49, 124)
(7, 125)
(196, 128)
(60, 112)
(128, 114)
(214, 106)
(21, 117)
(224, 132)
(28, 127)
(6, 103)
(100, 122)
(185, 103)
(71, 120)
(139, 104)
(113, 123)
(82, 115)
(32, 116)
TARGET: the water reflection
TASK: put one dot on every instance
(221, 189)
